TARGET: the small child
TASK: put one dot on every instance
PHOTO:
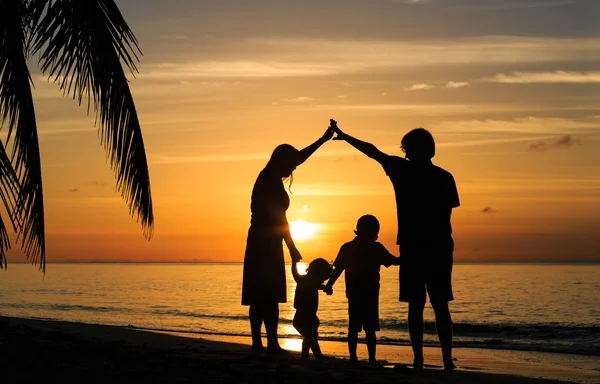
(362, 259)
(306, 302)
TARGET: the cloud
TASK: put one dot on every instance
(540, 146)
(96, 183)
(289, 57)
(567, 141)
(545, 77)
(174, 37)
(235, 69)
(523, 125)
(564, 142)
(300, 99)
(454, 84)
(419, 87)
(517, 4)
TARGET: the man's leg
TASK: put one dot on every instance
(371, 346)
(415, 330)
(443, 324)
(439, 287)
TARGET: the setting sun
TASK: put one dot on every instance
(302, 230)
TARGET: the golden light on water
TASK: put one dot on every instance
(290, 344)
(303, 230)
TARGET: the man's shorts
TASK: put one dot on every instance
(363, 313)
(426, 274)
(307, 325)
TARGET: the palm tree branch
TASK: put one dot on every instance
(83, 45)
(9, 194)
(18, 113)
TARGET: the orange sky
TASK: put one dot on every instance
(513, 104)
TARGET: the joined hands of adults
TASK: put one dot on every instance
(333, 126)
(328, 134)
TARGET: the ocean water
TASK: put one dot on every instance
(549, 308)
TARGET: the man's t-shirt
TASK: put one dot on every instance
(425, 196)
(361, 262)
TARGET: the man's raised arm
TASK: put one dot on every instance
(366, 148)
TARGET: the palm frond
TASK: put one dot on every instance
(9, 194)
(18, 113)
(83, 45)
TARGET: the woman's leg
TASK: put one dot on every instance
(271, 317)
(256, 320)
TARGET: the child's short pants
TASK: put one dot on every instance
(363, 313)
(306, 324)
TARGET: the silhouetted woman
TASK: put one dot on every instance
(264, 284)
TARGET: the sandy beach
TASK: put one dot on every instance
(36, 350)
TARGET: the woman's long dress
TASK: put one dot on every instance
(264, 267)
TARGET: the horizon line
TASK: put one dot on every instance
(570, 262)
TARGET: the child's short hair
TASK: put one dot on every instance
(320, 268)
(367, 225)
(418, 143)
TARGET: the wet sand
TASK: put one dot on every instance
(41, 350)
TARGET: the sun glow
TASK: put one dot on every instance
(302, 230)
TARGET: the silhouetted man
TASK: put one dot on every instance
(425, 196)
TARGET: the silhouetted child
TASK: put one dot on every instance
(362, 258)
(306, 302)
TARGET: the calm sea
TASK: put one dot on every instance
(552, 308)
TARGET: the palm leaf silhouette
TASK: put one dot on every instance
(82, 45)
(17, 111)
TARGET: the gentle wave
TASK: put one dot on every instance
(555, 331)
(549, 346)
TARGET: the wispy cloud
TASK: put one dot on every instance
(419, 87)
(236, 69)
(564, 142)
(413, 2)
(455, 84)
(545, 77)
(318, 57)
(339, 155)
(300, 99)
(174, 37)
(525, 125)
(427, 109)
(518, 4)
